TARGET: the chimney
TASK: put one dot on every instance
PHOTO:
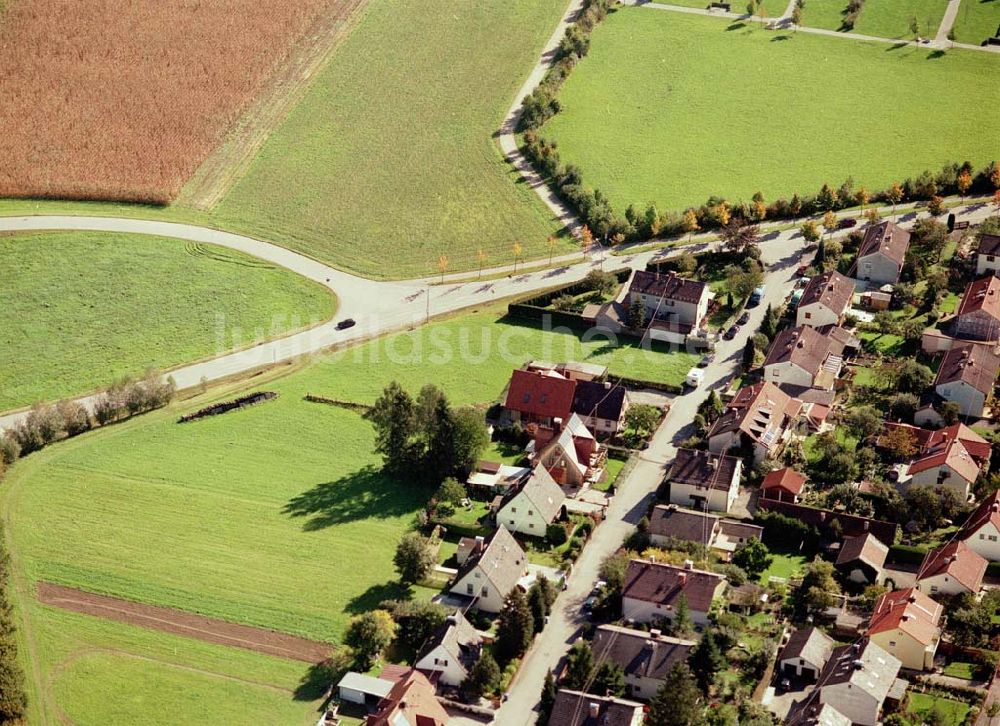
(995, 507)
(911, 599)
(595, 709)
(656, 633)
(688, 564)
(683, 579)
(859, 665)
(607, 385)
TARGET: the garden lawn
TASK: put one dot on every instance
(81, 309)
(389, 160)
(672, 131)
(827, 14)
(785, 565)
(977, 20)
(960, 669)
(949, 711)
(891, 18)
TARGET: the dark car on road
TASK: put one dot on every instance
(731, 333)
(847, 223)
(706, 360)
(743, 319)
(346, 323)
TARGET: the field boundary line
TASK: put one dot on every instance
(183, 623)
(232, 158)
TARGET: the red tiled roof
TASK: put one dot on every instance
(956, 560)
(830, 289)
(971, 363)
(786, 479)
(954, 455)
(981, 295)
(887, 238)
(910, 611)
(411, 701)
(665, 584)
(540, 394)
(987, 512)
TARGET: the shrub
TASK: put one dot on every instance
(10, 450)
(556, 534)
(75, 418)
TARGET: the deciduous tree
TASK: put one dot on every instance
(368, 635)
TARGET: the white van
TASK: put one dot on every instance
(694, 377)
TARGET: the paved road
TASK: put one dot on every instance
(950, 13)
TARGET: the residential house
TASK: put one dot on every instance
(907, 624)
(669, 523)
(451, 651)
(411, 702)
(812, 712)
(856, 681)
(805, 654)
(978, 315)
(784, 485)
(490, 574)
(538, 396)
(703, 480)
(573, 708)
(882, 254)
(825, 300)
(645, 657)
(601, 406)
(981, 531)
(952, 569)
(861, 559)
(988, 254)
(848, 525)
(966, 376)
(569, 452)
(804, 357)
(952, 456)
(756, 419)
(652, 591)
(673, 307)
(533, 506)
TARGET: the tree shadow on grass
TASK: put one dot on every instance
(375, 595)
(935, 54)
(367, 493)
(315, 683)
(896, 46)
(776, 38)
(735, 26)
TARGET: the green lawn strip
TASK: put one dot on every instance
(891, 18)
(613, 469)
(83, 308)
(922, 704)
(389, 161)
(785, 565)
(828, 14)
(504, 453)
(885, 343)
(977, 20)
(960, 669)
(634, 135)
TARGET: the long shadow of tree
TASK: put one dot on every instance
(375, 595)
(365, 494)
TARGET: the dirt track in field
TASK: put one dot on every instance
(178, 622)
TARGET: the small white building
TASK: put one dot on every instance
(882, 254)
(805, 654)
(981, 532)
(966, 376)
(705, 481)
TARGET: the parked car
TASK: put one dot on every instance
(731, 333)
(706, 360)
(694, 377)
(756, 296)
(346, 323)
(847, 223)
(743, 319)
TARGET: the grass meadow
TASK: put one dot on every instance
(84, 308)
(714, 107)
(276, 516)
(881, 18)
(977, 20)
(389, 161)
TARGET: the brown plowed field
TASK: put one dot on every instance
(123, 99)
(179, 622)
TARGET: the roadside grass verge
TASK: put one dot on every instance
(977, 20)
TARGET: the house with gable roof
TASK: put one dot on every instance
(653, 590)
(703, 480)
(645, 657)
(451, 650)
(673, 307)
(907, 624)
(978, 315)
(862, 558)
(492, 571)
(988, 254)
(411, 702)
(825, 300)
(967, 375)
(569, 452)
(981, 531)
(804, 357)
(882, 254)
(952, 569)
(805, 654)
(574, 708)
(783, 485)
(757, 418)
(533, 506)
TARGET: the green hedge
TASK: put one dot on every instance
(907, 554)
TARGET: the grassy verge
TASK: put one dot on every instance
(670, 108)
(85, 308)
(977, 20)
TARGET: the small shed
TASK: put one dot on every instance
(358, 687)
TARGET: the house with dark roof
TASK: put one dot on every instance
(673, 306)
(862, 558)
(451, 651)
(978, 315)
(653, 590)
(703, 480)
(805, 654)
(966, 376)
(825, 300)
(952, 569)
(601, 406)
(533, 506)
(411, 702)
(907, 624)
(757, 419)
(784, 485)
(669, 523)
(489, 574)
(645, 657)
(804, 357)
(573, 708)
(856, 681)
(988, 254)
(981, 531)
(882, 254)
(538, 396)
(812, 712)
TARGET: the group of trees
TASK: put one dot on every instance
(13, 699)
(425, 438)
(46, 423)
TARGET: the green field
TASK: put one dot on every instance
(81, 309)
(678, 128)
(881, 18)
(389, 160)
(976, 20)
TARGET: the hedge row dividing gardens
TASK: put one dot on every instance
(13, 699)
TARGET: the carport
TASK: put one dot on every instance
(358, 688)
